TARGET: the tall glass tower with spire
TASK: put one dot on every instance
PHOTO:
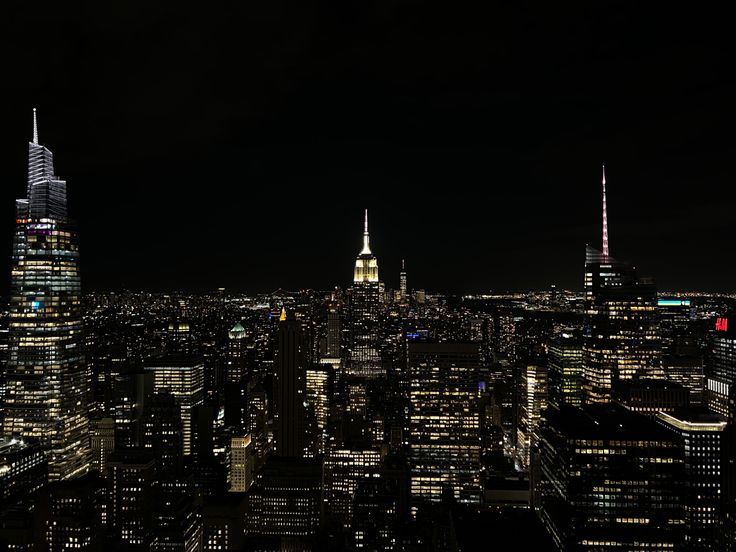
(46, 397)
(621, 340)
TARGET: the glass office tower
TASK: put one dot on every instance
(46, 373)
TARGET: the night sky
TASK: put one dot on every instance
(238, 143)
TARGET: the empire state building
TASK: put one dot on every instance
(365, 304)
(46, 396)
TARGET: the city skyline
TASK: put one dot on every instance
(603, 228)
(365, 109)
(374, 276)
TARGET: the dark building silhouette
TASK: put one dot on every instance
(131, 474)
(23, 474)
(289, 389)
(684, 365)
(650, 396)
(726, 539)
(162, 433)
(23, 469)
(286, 498)
(177, 516)
(75, 510)
(223, 522)
(610, 479)
(381, 508)
(130, 391)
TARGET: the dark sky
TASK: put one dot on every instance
(236, 144)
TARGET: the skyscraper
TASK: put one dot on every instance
(237, 360)
(533, 401)
(74, 514)
(701, 437)
(240, 463)
(620, 338)
(162, 433)
(365, 303)
(444, 421)
(284, 500)
(236, 377)
(46, 396)
(344, 468)
(102, 437)
(402, 282)
(566, 370)
(182, 377)
(319, 392)
(610, 479)
(727, 533)
(334, 332)
(131, 476)
(289, 389)
(720, 368)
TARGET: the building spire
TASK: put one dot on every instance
(605, 215)
(366, 244)
(402, 265)
(35, 127)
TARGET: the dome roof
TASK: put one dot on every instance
(238, 332)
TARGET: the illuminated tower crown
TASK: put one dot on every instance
(366, 265)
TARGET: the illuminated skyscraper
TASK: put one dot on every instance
(237, 360)
(240, 463)
(566, 370)
(365, 304)
(621, 339)
(720, 368)
(533, 403)
(236, 377)
(402, 282)
(444, 421)
(47, 385)
(182, 377)
(344, 468)
(319, 379)
(701, 438)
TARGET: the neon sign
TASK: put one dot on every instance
(721, 324)
(673, 303)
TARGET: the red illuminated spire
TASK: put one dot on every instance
(605, 216)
